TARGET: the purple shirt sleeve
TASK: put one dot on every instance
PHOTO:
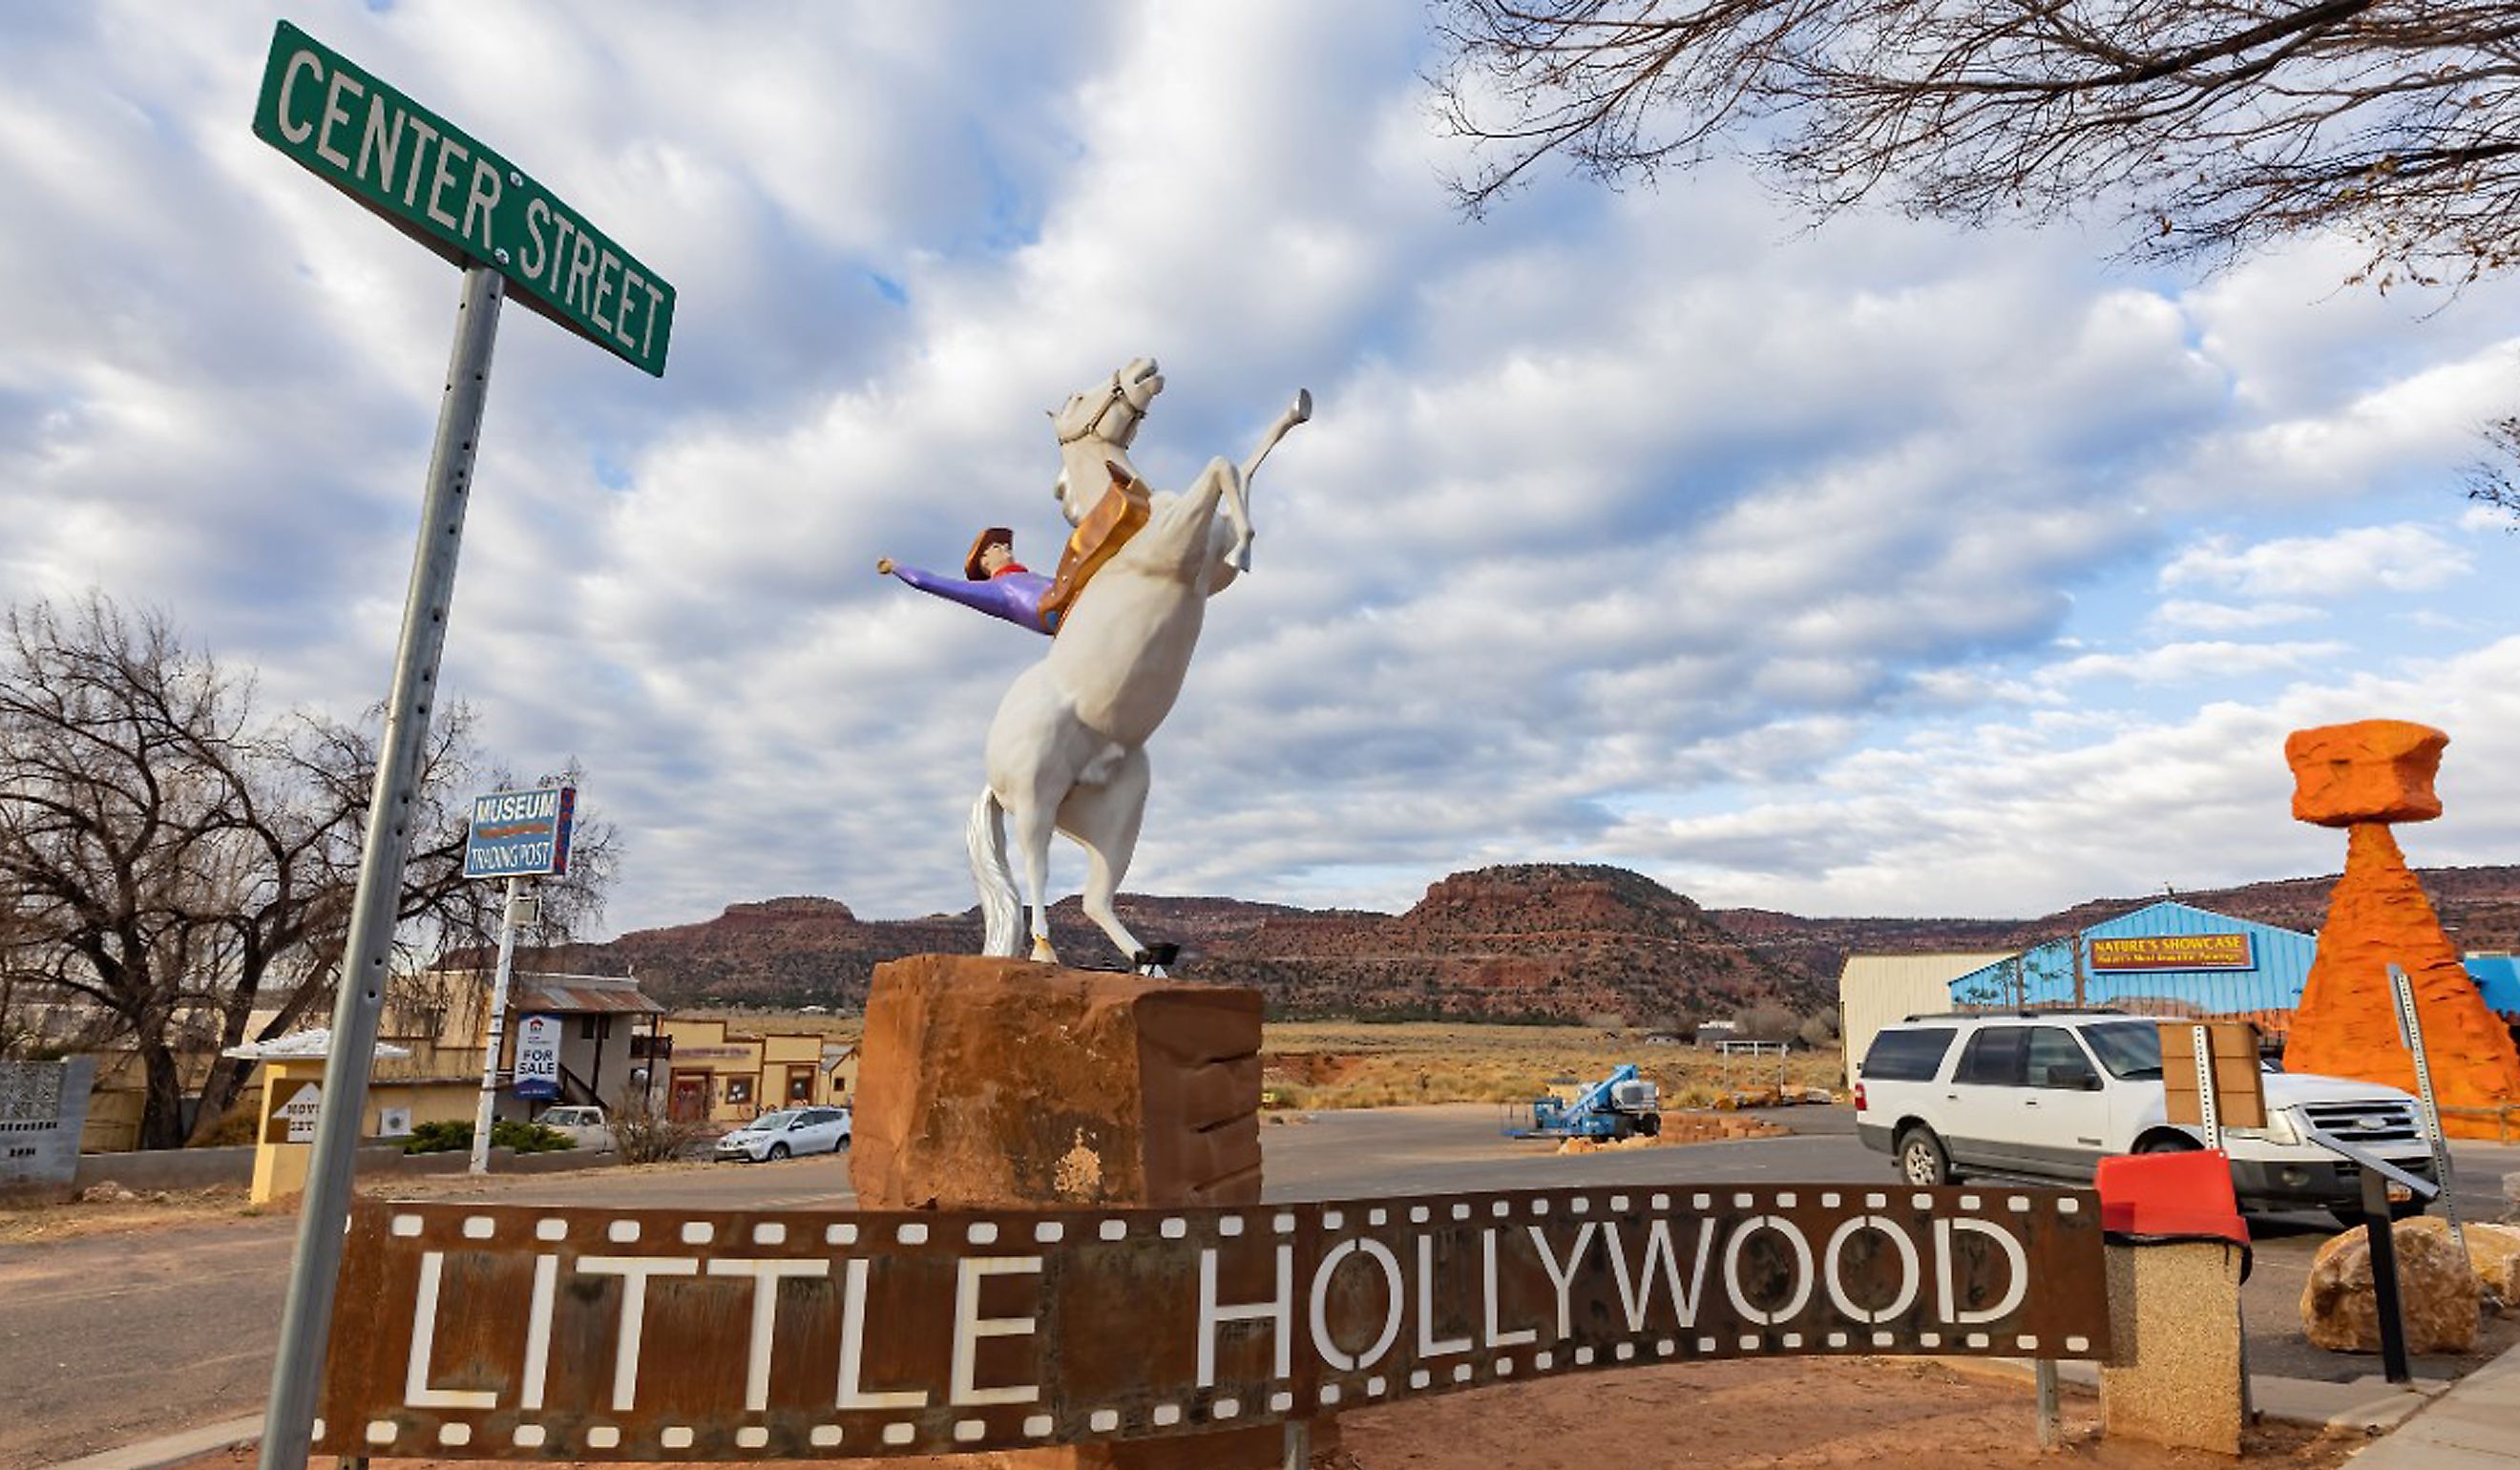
(1015, 597)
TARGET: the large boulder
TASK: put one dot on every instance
(2438, 1295)
(2493, 1252)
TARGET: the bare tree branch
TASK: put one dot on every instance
(2214, 125)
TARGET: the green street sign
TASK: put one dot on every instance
(460, 198)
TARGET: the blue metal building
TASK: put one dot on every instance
(2497, 976)
(2135, 963)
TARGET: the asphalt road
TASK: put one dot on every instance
(110, 1339)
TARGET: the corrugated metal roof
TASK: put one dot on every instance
(580, 995)
(2268, 992)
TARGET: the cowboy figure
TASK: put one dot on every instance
(993, 580)
(997, 584)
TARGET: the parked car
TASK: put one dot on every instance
(585, 1125)
(787, 1132)
(2046, 1094)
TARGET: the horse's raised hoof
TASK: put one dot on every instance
(1041, 952)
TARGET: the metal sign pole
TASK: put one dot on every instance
(2411, 1029)
(2211, 1114)
(366, 956)
(482, 1116)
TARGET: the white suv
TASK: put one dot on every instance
(2046, 1094)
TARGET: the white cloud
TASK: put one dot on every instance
(2223, 617)
(1616, 506)
(2402, 557)
(2188, 663)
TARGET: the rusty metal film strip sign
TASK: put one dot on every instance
(512, 1332)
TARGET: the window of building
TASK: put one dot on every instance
(586, 1028)
(739, 1090)
(800, 1083)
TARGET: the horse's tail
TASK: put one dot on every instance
(1001, 910)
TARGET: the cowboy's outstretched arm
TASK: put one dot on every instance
(1015, 600)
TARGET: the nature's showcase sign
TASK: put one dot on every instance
(2174, 952)
(641, 1335)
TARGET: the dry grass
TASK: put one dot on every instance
(145, 1212)
(1347, 1064)
(1330, 1064)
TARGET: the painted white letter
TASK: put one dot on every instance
(1638, 1300)
(1911, 1274)
(477, 200)
(538, 1332)
(853, 1350)
(1279, 1310)
(305, 60)
(416, 1392)
(1563, 1277)
(765, 1274)
(1732, 1270)
(334, 111)
(375, 142)
(2015, 1290)
(1488, 1261)
(634, 1272)
(1393, 1294)
(969, 1327)
(422, 135)
(1428, 1345)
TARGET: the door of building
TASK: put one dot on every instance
(800, 1083)
(690, 1101)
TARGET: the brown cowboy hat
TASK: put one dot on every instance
(993, 536)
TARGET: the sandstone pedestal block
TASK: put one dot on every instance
(1002, 1083)
(2437, 1293)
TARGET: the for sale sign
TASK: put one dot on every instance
(537, 1071)
(520, 833)
(488, 1331)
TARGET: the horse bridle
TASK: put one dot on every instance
(1118, 392)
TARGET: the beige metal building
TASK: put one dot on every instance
(1875, 989)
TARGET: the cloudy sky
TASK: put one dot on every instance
(1880, 568)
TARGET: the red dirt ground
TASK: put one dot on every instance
(1805, 1415)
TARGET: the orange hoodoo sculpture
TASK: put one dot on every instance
(2362, 777)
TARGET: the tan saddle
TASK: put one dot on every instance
(1119, 515)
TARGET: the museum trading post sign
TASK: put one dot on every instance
(2174, 952)
(518, 1333)
(457, 197)
(519, 834)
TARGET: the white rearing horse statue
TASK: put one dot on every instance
(1067, 748)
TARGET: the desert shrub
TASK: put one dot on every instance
(644, 1135)
(1769, 1022)
(455, 1135)
(1819, 1028)
(235, 1128)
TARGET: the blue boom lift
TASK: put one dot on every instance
(1621, 1105)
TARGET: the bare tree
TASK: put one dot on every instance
(2218, 124)
(178, 865)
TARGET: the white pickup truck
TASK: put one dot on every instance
(2048, 1095)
